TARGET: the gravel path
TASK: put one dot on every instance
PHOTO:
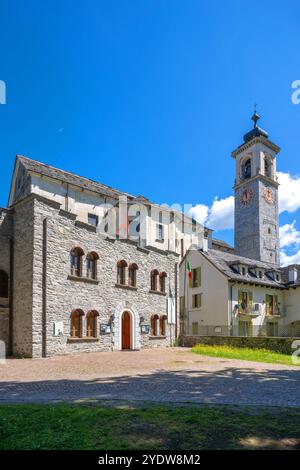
(160, 375)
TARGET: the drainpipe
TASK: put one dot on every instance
(44, 290)
(11, 296)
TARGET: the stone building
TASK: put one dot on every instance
(243, 291)
(85, 267)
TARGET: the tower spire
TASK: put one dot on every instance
(255, 116)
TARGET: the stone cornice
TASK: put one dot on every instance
(254, 178)
(256, 140)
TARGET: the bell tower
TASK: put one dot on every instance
(256, 229)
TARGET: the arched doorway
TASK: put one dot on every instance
(126, 330)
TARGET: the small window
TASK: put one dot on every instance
(91, 265)
(76, 323)
(247, 169)
(195, 281)
(3, 284)
(244, 271)
(260, 274)
(163, 325)
(159, 232)
(154, 276)
(91, 324)
(154, 325)
(93, 220)
(269, 230)
(196, 300)
(121, 275)
(76, 261)
(132, 274)
(162, 282)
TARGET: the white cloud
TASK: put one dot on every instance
(289, 192)
(289, 235)
(200, 213)
(220, 216)
(285, 259)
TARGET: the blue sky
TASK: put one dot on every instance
(150, 96)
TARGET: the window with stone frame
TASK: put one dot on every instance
(91, 265)
(3, 284)
(121, 272)
(76, 323)
(154, 324)
(91, 324)
(195, 280)
(93, 220)
(163, 325)
(76, 261)
(162, 282)
(154, 278)
(132, 274)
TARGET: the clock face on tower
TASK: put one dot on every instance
(268, 195)
(246, 196)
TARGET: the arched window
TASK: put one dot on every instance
(154, 276)
(91, 324)
(91, 265)
(163, 325)
(132, 274)
(3, 284)
(121, 266)
(154, 325)
(267, 167)
(162, 282)
(76, 261)
(76, 323)
(247, 169)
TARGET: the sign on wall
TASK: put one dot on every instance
(58, 328)
(105, 329)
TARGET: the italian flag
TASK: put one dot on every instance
(189, 269)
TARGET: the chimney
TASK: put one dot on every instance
(293, 274)
(205, 245)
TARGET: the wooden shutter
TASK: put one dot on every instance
(250, 299)
(240, 297)
(267, 304)
(198, 277)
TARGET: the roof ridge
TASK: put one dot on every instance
(73, 174)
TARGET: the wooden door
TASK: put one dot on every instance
(126, 330)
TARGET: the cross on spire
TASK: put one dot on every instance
(255, 116)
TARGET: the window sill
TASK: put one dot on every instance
(71, 277)
(157, 337)
(157, 292)
(84, 339)
(125, 286)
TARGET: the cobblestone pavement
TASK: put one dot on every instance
(168, 375)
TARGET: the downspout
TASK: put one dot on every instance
(11, 296)
(44, 290)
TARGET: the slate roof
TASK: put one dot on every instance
(70, 178)
(224, 261)
(85, 183)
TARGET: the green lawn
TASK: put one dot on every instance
(147, 426)
(246, 354)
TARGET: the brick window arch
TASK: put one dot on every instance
(76, 261)
(132, 269)
(91, 323)
(154, 325)
(162, 282)
(121, 274)
(76, 323)
(163, 325)
(154, 276)
(3, 284)
(91, 265)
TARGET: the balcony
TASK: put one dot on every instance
(277, 313)
(250, 312)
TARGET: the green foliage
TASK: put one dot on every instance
(146, 426)
(246, 354)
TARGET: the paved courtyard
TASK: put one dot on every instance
(168, 375)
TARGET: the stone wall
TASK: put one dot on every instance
(280, 345)
(23, 277)
(5, 236)
(64, 294)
